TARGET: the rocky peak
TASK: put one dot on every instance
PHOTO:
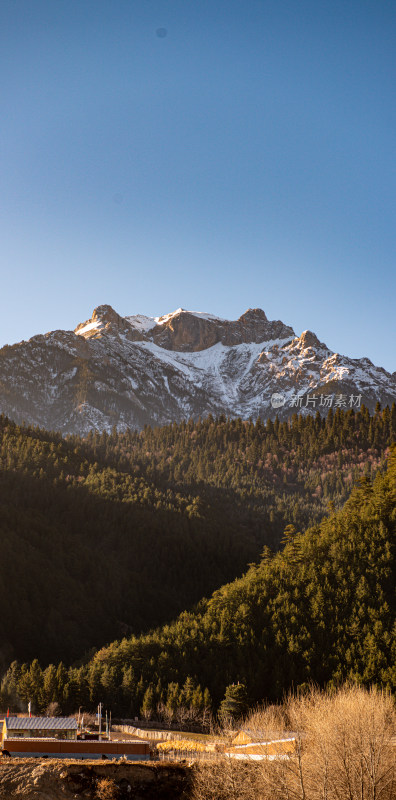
(185, 331)
(192, 331)
(253, 315)
(254, 326)
(309, 339)
(104, 318)
(106, 314)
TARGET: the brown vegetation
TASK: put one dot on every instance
(106, 789)
(342, 751)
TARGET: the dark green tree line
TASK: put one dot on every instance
(320, 610)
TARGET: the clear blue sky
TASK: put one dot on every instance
(210, 154)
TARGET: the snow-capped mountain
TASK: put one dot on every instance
(129, 371)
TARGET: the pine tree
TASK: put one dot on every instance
(234, 704)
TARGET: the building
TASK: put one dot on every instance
(56, 737)
(77, 749)
(38, 728)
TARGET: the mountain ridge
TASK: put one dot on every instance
(138, 370)
(185, 331)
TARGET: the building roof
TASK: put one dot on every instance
(41, 723)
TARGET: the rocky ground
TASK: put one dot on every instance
(51, 779)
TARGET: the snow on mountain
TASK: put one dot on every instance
(199, 314)
(144, 324)
(92, 326)
(141, 322)
(129, 371)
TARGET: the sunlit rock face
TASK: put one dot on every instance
(136, 370)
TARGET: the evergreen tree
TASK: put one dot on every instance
(234, 704)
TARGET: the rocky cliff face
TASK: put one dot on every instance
(188, 332)
(129, 371)
(185, 331)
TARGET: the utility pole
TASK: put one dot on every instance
(100, 721)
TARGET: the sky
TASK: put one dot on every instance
(214, 155)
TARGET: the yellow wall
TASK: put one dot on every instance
(242, 738)
(274, 748)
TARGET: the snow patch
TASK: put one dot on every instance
(219, 369)
(96, 325)
(205, 315)
(142, 323)
(200, 314)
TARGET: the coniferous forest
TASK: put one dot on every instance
(122, 536)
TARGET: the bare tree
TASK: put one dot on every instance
(338, 747)
(343, 745)
(226, 779)
(53, 709)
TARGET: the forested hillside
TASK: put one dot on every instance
(89, 553)
(278, 472)
(114, 535)
(321, 609)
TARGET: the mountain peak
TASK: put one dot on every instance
(183, 311)
(132, 371)
(183, 330)
(254, 314)
(105, 313)
(309, 339)
(103, 318)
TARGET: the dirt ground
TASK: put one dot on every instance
(54, 779)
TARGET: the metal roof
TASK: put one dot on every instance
(41, 723)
